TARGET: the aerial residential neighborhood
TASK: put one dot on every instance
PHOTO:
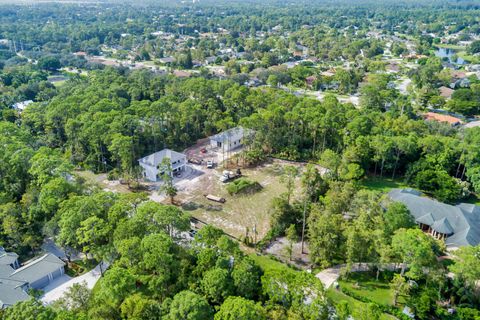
(240, 160)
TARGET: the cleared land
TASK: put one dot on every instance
(239, 212)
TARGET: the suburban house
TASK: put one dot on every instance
(152, 164)
(457, 225)
(181, 74)
(432, 116)
(472, 124)
(310, 81)
(16, 280)
(228, 140)
(446, 92)
(392, 68)
(167, 60)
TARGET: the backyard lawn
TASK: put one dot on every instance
(365, 284)
(382, 184)
(337, 296)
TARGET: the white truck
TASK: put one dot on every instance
(230, 175)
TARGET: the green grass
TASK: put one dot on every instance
(467, 57)
(382, 184)
(269, 264)
(59, 84)
(337, 296)
(365, 285)
(449, 46)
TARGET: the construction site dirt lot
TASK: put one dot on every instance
(239, 212)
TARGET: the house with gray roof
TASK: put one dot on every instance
(16, 280)
(458, 225)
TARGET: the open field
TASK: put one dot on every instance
(239, 212)
(101, 181)
(468, 57)
(450, 46)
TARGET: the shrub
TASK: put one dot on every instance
(242, 186)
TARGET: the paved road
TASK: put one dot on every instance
(57, 288)
(329, 276)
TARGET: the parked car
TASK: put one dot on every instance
(209, 164)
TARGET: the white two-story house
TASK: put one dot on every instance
(152, 164)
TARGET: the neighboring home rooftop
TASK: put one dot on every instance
(20, 106)
(310, 80)
(7, 258)
(181, 74)
(456, 74)
(393, 67)
(446, 92)
(38, 268)
(459, 225)
(328, 73)
(167, 60)
(11, 292)
(36, 274)
(472, 124)
(432, 116)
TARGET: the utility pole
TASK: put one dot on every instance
(303, 224)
